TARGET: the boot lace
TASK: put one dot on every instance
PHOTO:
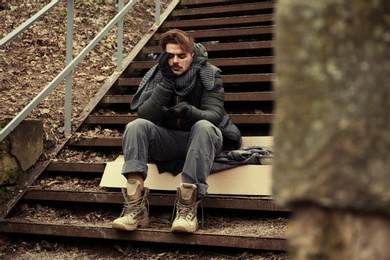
(186, 211)
(132, 208)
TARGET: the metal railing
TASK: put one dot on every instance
(71, 63)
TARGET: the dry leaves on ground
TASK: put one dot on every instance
(34, 58)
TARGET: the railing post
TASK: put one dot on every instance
(69, 58)
(158, 11)
(120, 38)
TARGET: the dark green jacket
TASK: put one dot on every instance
(206, 100)
(205, 104)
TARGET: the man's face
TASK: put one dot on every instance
(179, 61)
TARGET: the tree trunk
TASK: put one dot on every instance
(332, 126)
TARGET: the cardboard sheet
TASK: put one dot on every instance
(241, 180)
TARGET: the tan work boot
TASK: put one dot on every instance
(135, 212)
(186, 209)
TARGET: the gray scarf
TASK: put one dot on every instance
(184, 84)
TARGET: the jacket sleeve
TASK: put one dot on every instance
(151, 109)
(212, 104)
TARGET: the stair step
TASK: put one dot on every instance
(75, 167)
(223, 9)
(155, 199)
(221, 62)
(218, 34)
(214, 22)
(57, 192)
(187, 3)
(201, 238)
(124, 119)
(236, 96)
(209, 2)
(238, 78)
(221, 46)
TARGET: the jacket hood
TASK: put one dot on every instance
(201, 55)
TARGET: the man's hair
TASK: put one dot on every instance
(177, 36)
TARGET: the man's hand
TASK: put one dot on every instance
(182, 110)
(164, 66)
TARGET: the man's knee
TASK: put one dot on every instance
(138, 123)
(203, 125)
(137, 127)
(205, 129)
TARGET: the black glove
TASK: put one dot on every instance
(164, 66)
(182, 110)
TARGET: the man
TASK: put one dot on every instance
(182, 126)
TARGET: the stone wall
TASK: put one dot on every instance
(19, 151)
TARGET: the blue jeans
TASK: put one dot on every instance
(143, 139)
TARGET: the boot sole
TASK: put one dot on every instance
(141, 224)
(180, 229)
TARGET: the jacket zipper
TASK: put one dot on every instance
(178, 119)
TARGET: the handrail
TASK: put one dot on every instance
(70, 63)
